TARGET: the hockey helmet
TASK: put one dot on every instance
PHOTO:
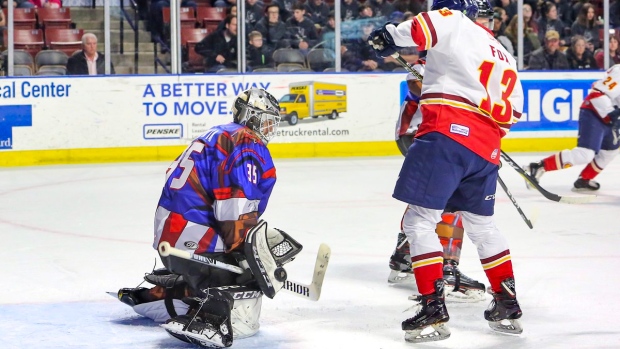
(468, 7)
(259, 111)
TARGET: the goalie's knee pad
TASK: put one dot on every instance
(266, 250)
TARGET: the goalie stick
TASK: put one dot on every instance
(571, 199)
(311, 292)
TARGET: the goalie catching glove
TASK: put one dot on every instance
(266, 251)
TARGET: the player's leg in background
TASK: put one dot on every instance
(591, 134)
(608, 146)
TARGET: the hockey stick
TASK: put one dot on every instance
(311, 292)
(514, 202)
(582, 199)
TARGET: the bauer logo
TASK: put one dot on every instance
(163, 131)
(13, 116)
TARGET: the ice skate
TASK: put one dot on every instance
(195, 330)
(535, 170)
(400, 263)
(430, 322)
(130, 296)
(504, 311)
(459, 287)
(582, 185)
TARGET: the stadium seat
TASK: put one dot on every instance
(264, 70)
(210, 17)
(203, 3)
(54, 17)
(65, 40)
(51, 58)
(287, 67)
(23, 18)
(321, 59)
(186, 16)
(333, 70)
(289, 55)
(30, 40)
(227, 71)
(22, 70)
(52, 70)
(189, 38)
(20, 57)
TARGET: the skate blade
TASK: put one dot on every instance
(437, 332)
(508, 326)
(399, 277)
(464, 296)
(176, 331)
(113, 294)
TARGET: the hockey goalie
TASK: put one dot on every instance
(219, 257)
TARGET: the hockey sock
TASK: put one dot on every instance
(498, 268)
(554, 162)
(590, 171)
(427, 268)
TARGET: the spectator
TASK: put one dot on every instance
(503, 16)
(274, 31)
(365, 58)
(253, 13)
(46, 3)
(232, 10)
(549, 21)
(258, 56)
(349, 10)
(614, 13)
(220, 48)
(364, 12)
(587, 25)
(18, 4)
(88, 61)
(549, 56)
(413, 6)
(565, 12)
(381, 8)
(530, 33)
(286, 8)
(223, 3)
(614, 53)
(317, 11)
(578, 57)
(156, 18)
(498, 30)
(2, 28)
(328, 33)
(301, 29)
(509, 6)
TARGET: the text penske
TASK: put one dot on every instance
(28, 89)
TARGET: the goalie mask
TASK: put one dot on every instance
(259, 111)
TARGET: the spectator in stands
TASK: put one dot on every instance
(274, 31)
(614, 53)
(365, 58)
(587, 25)
(510, 6)
(286, 8)
(408, 15)
(397, 17)
(156, 18)
(223, 3)
(498, 30)
(578, 57)
(413, 6)
(549, 21)
(531, 42)
(349, 10)
(365, 12)
(614, 13)
(301, 29)
(549, 56)
(317, 11)
(46, 3)
(328, 33)
(220, 48)
(88, 61)
(503, 17)
(565, 11)
(258, 56)
(2, 28)
(381, 8)
(253, 13)
(18, 4)
(229, 11)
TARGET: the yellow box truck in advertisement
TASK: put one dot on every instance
(313, 99)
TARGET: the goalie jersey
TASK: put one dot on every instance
(215, 191)
(605, 94)
(473, 101)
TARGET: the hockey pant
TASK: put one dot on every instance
(427, 252)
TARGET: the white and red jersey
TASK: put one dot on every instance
(410, 116)
(471, 91)
(605, 95)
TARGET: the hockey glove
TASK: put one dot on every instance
(614, 117)
(382, 42)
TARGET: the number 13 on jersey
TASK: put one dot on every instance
(500, 111)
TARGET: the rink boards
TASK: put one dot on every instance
(53, 120)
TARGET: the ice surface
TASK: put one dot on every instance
(73, 232)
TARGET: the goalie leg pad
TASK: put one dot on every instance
(269, 274)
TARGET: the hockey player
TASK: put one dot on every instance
(450, 230)
(214, 194)
(470, 98)
(597, 142)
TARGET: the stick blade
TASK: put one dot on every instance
(576, 200)
(320, 267)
